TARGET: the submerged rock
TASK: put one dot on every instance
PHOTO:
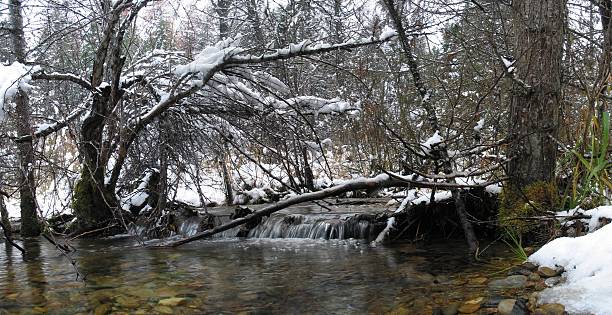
(172, 301)
(163, 309)
(511, 282)
(451, 309)
(534, 277)
(505, 306)
(550, 309)
(477, 281)
(512, 307)
(471, 306)
(102, 309)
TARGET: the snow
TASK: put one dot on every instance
(139, 196)
(509, 64)
(588, 271)
(432, 141)
(425, 198)
(596, 214)
(494, 189)
(13, 77)
(210, 57)
(479, 125)
(387, 33)
(42, 127)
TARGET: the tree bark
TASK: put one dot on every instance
(27, 188)
(4, 218)
(227, 179)
(539, 27)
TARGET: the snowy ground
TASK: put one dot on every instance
(587, 261)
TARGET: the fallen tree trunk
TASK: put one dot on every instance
(380, 181)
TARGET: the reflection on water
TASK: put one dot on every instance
(232, 276)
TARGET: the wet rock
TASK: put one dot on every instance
(529, 266)
(519, 271)
(511, 282)
(529, 250)
(12, 296)
(550, 309)
(533, 301)
(425, 277)
(534, 277)
(172, 301)
(505, 306)
(550, 282)
(493, 301)
(477, 281)
(451, 309)
(547, 272)
(471, 306)
(102, 309)
(127, 302)
(163, 309)
(512, 307)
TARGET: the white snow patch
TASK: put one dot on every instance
(479, 125)
(387, 33)
(432, 141)
(13, 77)
(588, 271)
(210, 57)
(596, 214)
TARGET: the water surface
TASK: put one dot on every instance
(284, 276)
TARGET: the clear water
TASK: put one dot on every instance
(282, 276)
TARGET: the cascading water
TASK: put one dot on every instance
(321, 226)
(308, 223)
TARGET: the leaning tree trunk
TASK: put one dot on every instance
(539, 27)
(29, 219)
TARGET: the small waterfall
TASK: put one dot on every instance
(313, 226)
(189, 226)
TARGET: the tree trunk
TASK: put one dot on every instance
(4, 218)
(92, 201)
(227, 179)
(539, 27)
(27, 188)
(223, 13)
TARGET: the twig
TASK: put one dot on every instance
(10, 240)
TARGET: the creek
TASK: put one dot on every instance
(316, 275)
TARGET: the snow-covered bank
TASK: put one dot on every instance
(588, 271)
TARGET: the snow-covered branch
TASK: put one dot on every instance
(47, 129)
(55, 76)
